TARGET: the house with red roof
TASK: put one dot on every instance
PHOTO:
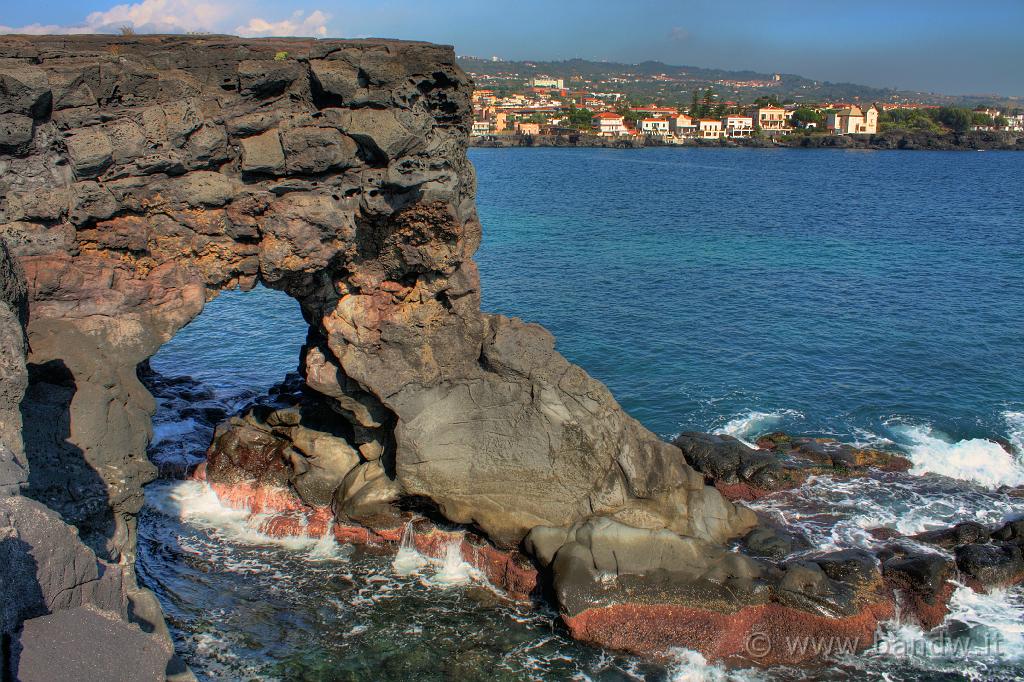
(607, 124)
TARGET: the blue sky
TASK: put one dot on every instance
(947, 46)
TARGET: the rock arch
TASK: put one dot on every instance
(143, 174)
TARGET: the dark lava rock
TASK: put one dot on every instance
(1012, 531)
(960, 534)
(766, 542)
(995, 564)
(852, 566)
(86, 643)
(922, 573)
(726, 459)
(836, 458)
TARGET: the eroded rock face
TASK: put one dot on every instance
(159, 170)
(13, 373)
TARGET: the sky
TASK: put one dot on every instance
(947, 46)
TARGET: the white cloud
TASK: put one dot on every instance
(678, 34)
(182, 16)
(153, 16)
(39, 29)
(315, 24)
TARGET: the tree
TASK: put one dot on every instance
(805, 115)
(766, 101)
(708, 101)
(695, 109)
(578, 118)
(980, 118)
(953, 117)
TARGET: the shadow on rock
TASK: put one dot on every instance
(60, 475)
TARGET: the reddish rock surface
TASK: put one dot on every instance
(764, 635)
(508, 570)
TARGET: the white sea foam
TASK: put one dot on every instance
(754, 423)
(453, 569)
(974, 459)
(997, 615)
(408, 560)
(196, 504)
(692, 666)
(1015, 430)
(172, 431)
(328, 549)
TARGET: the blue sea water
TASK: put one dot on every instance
(872, 296)
(840, 290)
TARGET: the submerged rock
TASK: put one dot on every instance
(780, 462)
(988, 557)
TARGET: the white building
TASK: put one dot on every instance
(682, 126)
(1015, 123)
(654, 126)
(772, 120)
(545, 82)
(709, 129)
(738, 126)
(482, 128)
(852, 121)
(607, 124)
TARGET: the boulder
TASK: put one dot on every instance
(648, 591)
(992, 565)
(91, 202)
(726, 459)
(323, 461)
(201, 188)
(367, 496)
(90, 152)
(766, 542)
(25, 90)
(575, 452)
(378, 131)
(15, 133)
(310, 149)
(241, 452)
(262, 153)
(86, 643)
(127, 141)
(336, 81)
(262, 78)
(962, 533)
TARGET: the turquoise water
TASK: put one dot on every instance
(839, 290)
(873, 296)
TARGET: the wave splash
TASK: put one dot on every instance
(749, 425)
(975, 459)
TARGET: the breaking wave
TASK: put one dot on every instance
(746, 427)
(975, 459)
(1015, 430)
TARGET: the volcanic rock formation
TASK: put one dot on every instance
(141, 175)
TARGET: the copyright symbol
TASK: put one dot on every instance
(758, 644)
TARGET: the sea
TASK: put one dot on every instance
(875, 297)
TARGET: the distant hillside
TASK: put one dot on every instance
(664, 83)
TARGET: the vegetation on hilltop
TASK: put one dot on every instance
(656, 82)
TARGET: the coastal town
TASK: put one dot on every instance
(545, 106)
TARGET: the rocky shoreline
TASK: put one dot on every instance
(908, 140)
(142, 175)
(647, 591)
